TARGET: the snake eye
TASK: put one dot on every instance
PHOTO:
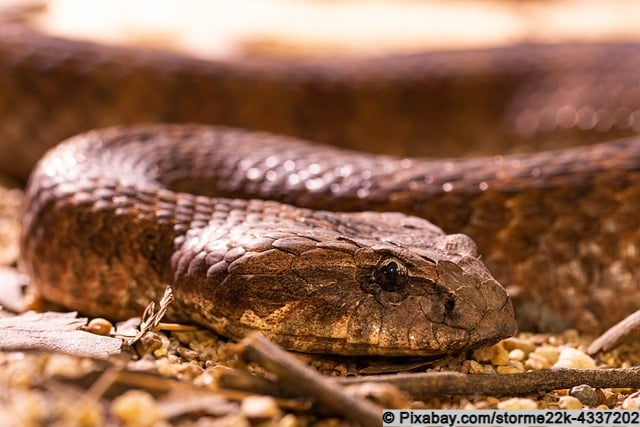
(391, 275)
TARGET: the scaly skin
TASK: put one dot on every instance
(102, 235)
(443, 103)
(560, 237)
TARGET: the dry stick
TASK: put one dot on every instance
(71, 415)
(298, 377)
(240, 380)
(615, 334)
(421, 386)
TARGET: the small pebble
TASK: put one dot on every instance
(63, 365)
(509, 369)
(99, 326)
(205, 379)
(29, 409)
(573, 358)
(542, 358)
(609, 398)
(588, 395)
(550, 353)
(489, 403)
(493, 401)
(632, 401)
(517, 403)
(569, 402)
(149, 343)
(483, 354)
(500, 355)
(475, 367)
(496, 354)
(517, 364)
(188, 371)
(207, 350)
(164, 350)
(488, 369)
(187, 354)
(540, 339)
(516, 343)
(260, 408)
(136, 408)
(537, 362)
(91, 415)
(185, 337)
(288, 420)
(231, 420)
(517, 354)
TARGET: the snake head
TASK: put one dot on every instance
(427, 301)
(339, 285)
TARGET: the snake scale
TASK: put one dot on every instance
(353, 269)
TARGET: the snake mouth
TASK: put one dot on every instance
(467, 308)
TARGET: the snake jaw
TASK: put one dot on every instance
(482, 306)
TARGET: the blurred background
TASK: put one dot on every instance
(372, 75)
(312, 28)
(411, 78)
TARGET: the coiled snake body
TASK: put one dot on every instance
(558, 228)
(317, 281)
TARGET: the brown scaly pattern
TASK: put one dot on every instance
(444, 103)
(102, 235)
(560, 236)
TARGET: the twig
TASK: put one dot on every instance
(297, 376)
(240, 380)
(614, 336)
(71, 415)
(108, 382)
(422, 385)
(151, 319)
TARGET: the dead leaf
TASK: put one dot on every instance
(57, 332)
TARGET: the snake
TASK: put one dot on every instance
(328, 249)
(101, 212)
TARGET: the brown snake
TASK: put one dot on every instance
(316, 281)
(558, 228)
